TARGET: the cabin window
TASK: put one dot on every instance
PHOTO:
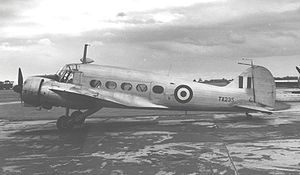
(111, 85)
(126, 86)
(95, 83)
(158, 89)
(249, 82)
(141, 88)
(241, 82)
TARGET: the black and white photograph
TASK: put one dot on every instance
(160, 87)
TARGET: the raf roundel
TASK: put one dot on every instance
(183, 94)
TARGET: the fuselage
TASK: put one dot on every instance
(129, 89)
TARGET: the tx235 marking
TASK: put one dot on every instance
(226, 99)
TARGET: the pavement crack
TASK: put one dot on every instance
(231, 160)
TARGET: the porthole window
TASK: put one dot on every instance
(158, 89)
(95, 83)
(111, 85)
(141, 88)
(126, 86)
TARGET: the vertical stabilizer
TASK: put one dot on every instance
(258, 82)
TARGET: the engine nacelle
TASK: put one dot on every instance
(32, 91)
(37, 91)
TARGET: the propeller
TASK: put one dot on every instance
(298, 69)
(18, 88)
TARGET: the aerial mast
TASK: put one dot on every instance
(84, 59)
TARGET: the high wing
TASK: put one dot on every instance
(107, 97)
(251, 106)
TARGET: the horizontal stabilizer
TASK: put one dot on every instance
(253, 107)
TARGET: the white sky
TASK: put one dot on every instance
(76, 16)
(199, 38)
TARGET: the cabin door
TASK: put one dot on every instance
(170, 93)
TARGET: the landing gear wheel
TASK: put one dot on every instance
(64, 123)
(67, 122)
(76, 114)
(77, 117)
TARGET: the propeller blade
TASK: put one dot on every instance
(20, 77)
(298, 69)
(19, 87)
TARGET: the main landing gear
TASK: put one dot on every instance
(77, 118)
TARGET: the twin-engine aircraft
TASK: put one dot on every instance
(86, 88)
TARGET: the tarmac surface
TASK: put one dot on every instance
(115, 141)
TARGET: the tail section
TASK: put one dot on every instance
(258, 82)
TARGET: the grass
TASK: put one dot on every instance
(8, 96)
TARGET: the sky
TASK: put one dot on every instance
(183, 38)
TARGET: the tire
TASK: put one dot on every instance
(76, 114)
(63, 123)
(76, 119)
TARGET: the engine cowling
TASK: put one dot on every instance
(37, 91)
(31, 93)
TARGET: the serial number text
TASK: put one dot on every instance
(226, 99)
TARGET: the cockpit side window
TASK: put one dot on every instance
(66, 73)
(66, 77)
(61, 71)
(70, 78)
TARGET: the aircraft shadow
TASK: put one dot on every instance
(100, 127)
